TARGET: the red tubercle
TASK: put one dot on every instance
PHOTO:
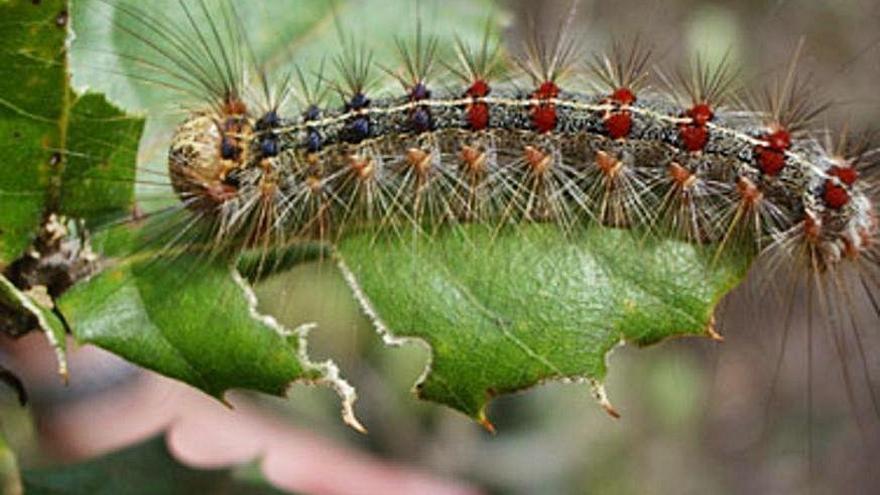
(618, 124)
(544, 117)
(693, 137)
(779, 140)
(835, 195)
(623, 96)
(477, 113)
(847, 175)
(478, 116)
(695, 134)
(546, 91)
(479, 89)
(701, 114)
(771, 157)
(770, 161)
(544, 114)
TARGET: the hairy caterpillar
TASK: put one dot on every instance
(546, 148)
(618, 157)
(686, 162)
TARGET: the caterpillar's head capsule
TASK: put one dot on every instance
(205, 154)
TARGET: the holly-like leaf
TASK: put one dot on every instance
(505, 311)
(23, 311)
(500, 312)
(147, 469)
(32, 111)
(189, 315)
(196, 327)
(63, 153)
(191, 318)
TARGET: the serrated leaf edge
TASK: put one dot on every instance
(597, 386)
(328, 372)
(45, 326)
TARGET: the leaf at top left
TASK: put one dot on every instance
(65, 156)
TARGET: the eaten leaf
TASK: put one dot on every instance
(26, 313)
(64, 153)
(186, 314)
(193, 318)
(504, 311)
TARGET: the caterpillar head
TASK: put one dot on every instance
(206, 155)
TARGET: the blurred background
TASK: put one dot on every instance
(698, 416)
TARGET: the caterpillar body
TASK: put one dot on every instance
(469, 140)
(460, 141)
(575, 169)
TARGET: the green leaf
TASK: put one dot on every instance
(63, 153)
(32, 106)
(146, 469)
(500, 313)
(35, 315)
(191, 318)
(505, 311)
(186, 315)
(98, 177)
(203, 334)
